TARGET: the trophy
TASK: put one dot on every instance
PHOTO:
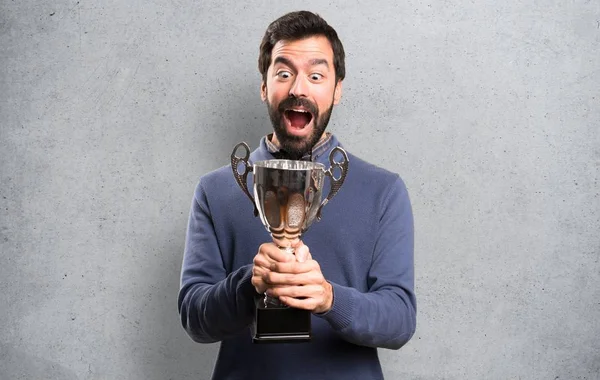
(287, 197)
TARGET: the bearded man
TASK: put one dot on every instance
(354, 271)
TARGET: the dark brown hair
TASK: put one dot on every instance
(296, 26)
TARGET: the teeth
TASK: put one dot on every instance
(300, 111)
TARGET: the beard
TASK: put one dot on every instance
(297, 146)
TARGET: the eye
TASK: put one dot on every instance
(316, 76)
(284, 74)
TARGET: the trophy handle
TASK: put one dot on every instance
(335, 183)
(242, 179)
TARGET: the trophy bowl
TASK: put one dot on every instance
(287, 197)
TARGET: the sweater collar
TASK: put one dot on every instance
(319, 154)
(321, 146)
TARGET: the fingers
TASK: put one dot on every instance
(302, 253)
(275, 267)
(295, 267)
(311, 304)
(306, 291)
(300, 250)
(268, 254)
(317, 298)
(258, 274)
(296, 274)
(286, 242)
(274, 253)
(261, 260)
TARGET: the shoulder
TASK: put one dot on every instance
(372, 175)
(221, 174)
(220, 180)
(223, 178)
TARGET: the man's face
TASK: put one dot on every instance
(300, 90)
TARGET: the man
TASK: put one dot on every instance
(354, 269)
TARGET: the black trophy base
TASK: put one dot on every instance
(280, 324)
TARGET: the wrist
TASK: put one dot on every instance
(328, 299)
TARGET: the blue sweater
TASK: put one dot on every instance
(364, 246)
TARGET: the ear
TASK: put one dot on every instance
(263, 91)
(337, 94)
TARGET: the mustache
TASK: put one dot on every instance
(291, 102)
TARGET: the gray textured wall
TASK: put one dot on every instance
(111, 110)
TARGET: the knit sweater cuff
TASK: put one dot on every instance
(342, 308)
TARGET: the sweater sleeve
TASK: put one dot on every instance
(213, 305)
(384, 316)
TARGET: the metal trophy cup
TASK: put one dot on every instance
(287, 196)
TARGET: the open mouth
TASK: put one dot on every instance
(298, 119)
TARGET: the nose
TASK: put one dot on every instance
(299, 87)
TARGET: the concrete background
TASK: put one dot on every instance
(111, 110)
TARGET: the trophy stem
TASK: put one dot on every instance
(273, 302)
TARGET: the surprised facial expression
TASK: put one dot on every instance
(300, 90)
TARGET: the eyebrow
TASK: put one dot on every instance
(313, 62)
(319, 61)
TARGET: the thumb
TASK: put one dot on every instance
(302, 253)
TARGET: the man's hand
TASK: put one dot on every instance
(268, 254)
(299, 283)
